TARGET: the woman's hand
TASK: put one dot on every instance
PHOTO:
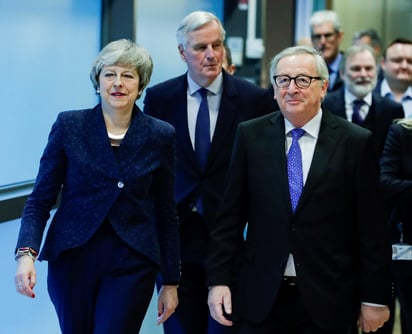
(25, 278)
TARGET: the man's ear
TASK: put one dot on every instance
(182, 52)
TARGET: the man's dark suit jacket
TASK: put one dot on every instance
(338, 84)
(378, 86)
(338, 81)
(97, 185)
(240, 101)
(337, 233)
(381, 114)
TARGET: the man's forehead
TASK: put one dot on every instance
(403, 48)
(323, 27)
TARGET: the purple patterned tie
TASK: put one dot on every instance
(356, 116)
(295, 172)
(202, 132)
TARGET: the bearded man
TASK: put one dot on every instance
(356, 101)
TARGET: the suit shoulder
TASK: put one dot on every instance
(332, 96)
(241, 83)
(261, 120)
(75, 116)
(164, 86)
(158, 124)
(349, 127)
(387, 102)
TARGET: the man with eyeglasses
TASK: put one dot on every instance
(316, 258)
(326, 35)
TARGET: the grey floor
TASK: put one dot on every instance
(22, 315)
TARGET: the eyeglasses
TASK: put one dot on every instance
(302, 80)
(328, 36)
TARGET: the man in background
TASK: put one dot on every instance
(397, 73)
(356, 101)
(227, 63)
(326, 35)
(369, 37)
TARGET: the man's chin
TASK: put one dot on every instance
(362, 90)
(212, 72)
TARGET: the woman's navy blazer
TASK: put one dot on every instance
(132, 188)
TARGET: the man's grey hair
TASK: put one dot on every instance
(321, 66)
(323, 16)
(195, 21)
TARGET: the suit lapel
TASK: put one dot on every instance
(275, 145)
(100, 152)
(226, 118)
(176, 114)
(340, 103)
(327, 140)
(136, 137)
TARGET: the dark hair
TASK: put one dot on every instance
(372, 34)
(228, 55)
(399, 40)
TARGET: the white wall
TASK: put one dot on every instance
(47, 50)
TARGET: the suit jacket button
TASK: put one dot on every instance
(120, 184)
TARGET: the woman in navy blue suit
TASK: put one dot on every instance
(116, 224)
(396, 178)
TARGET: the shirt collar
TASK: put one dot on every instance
(215, 87)
(386, 91)
(311, 128)
(349, 98)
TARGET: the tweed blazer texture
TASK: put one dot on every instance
(132, 188)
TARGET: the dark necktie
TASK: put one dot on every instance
(330, 71)
(295, 171)
(356, 116)
(202, 131)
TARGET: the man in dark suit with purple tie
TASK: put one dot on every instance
(199, 185)
(359, 71)
(314, 263)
